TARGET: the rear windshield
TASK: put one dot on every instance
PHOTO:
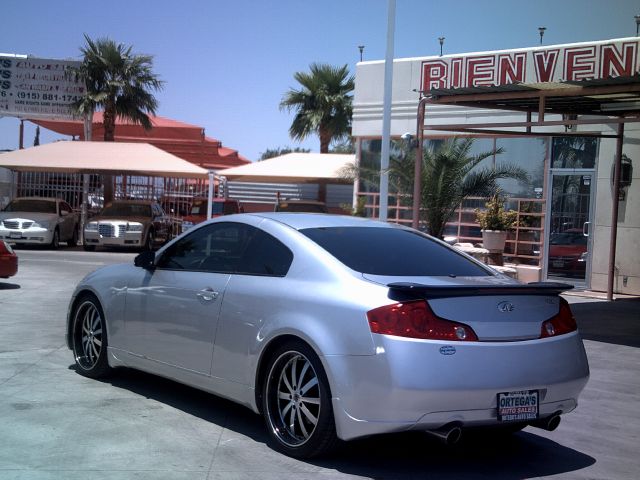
(301, 207)
(199, 207)
(39, 206)
(391, 251)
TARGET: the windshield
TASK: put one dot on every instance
(40, 206)
(392, 252)
(301, 207)
(568, 238)
(126, 210)
(199, 207)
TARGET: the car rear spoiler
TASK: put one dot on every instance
(401, 290)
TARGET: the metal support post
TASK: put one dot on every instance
(614, 211)
(417, 176)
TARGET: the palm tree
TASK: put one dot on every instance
(322, 106)
(449, 176)
(120, 83)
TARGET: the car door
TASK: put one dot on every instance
(172, 312)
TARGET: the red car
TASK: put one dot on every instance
(568, 253)
(219, 207)
(8, 260)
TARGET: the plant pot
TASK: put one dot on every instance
(494, 240)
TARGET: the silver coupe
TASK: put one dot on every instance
(334, 328)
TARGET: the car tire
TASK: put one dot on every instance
(74, 238)
(150, 241)
(89, 248)
(89, 338)
(296, 402)
(55, 240)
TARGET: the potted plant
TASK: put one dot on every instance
(495, 222)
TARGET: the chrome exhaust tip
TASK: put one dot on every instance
(449, 435)
(549, 423)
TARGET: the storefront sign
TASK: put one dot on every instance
(568, 63)
(37, 88)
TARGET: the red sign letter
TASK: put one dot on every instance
(545, 63)
(434, 75)
(481, 71)
(511, 70)
(579, 63)
(616, 64)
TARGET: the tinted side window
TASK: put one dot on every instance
(213, 248)
(265, 255)
(392, 251)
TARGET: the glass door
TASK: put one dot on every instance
(568, 245)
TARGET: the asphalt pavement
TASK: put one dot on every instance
(56, 424)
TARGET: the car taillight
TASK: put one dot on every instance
(563, 322)
(416, 320)
(5, 248)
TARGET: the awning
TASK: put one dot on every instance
(293, 168)
(111, 158)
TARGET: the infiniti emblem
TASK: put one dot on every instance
(505, 307)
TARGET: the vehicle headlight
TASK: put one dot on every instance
(91, 227)
(134, 227)
(40, 224)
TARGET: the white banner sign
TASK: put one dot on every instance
(37, 88)
(560, 63)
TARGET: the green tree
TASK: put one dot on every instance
(278, 151)
(118, 82)
(450, 174)
(322, 105)
(345, 146)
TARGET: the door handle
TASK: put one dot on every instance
(585, 228)
(208, 294)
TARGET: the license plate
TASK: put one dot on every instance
(557, 263)
(15, 235)
(518, 406)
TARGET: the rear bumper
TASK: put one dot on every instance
(8, 266)
(410, 384)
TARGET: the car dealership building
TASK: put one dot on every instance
(567, 114)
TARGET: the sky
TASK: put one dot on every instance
(227, 64)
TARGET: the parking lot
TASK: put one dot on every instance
(56, 424)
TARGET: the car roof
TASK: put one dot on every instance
(143, 202)
(301, 221)
(49, 199)
(306, 202)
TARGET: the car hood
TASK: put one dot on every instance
(35, 216)
(121, 219)
(566, 250)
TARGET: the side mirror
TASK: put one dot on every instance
(145, 260)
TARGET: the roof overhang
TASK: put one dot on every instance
(111, 158)
(293, 168)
